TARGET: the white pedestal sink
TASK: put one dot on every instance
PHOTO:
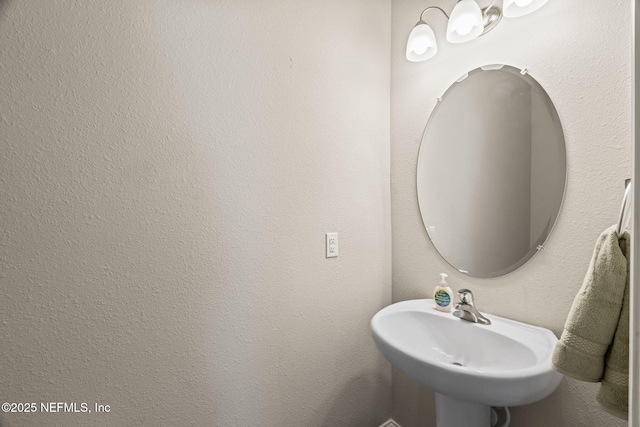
(470, 366)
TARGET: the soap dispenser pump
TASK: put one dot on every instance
(442, 295)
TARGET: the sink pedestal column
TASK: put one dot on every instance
(451, 412)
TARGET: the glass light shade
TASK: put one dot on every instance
(422, 43)
(466, 22)
(517, 8)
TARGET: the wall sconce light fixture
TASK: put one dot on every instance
(467, 22)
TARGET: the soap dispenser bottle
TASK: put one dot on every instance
(442, 295)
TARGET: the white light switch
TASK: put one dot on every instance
(332, 245)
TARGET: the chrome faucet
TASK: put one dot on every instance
(465, 309)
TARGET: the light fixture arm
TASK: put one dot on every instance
(433, 7)
(490, 14)
(486, 9)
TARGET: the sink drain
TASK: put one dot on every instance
(457, 363)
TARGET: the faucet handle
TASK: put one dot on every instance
(466, 296)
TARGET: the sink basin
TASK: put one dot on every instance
(507, 363)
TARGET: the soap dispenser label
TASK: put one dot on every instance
(443, 299)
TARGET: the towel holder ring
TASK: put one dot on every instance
(623, 208)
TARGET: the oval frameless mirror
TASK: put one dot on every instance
(491, 171)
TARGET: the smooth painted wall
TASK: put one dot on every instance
(583, 60)
(168, 170)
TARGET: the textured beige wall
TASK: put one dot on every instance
(168, 170)
(582, 58)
